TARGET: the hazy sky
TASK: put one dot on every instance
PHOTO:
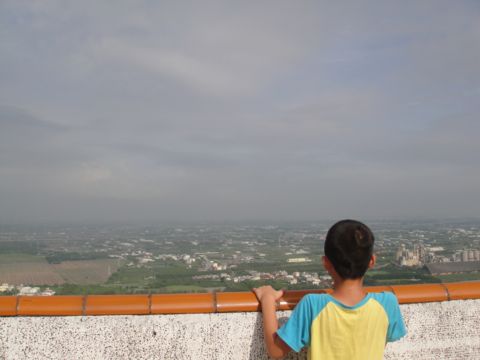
(177, 110)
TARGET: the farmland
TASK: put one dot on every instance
(28, 269)
(101, 259)
(86, 271)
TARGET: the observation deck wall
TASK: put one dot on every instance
(443, 322)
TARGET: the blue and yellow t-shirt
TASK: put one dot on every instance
(333, 330)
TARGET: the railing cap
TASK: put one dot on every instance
(208, 302)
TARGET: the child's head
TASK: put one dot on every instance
(349, 248)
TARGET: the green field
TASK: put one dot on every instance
(15, 258)
(111, 276)
(183, 288)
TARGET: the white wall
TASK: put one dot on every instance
(446, 330)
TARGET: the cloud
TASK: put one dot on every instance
(187, 70)
(198, 110)
(27, 140)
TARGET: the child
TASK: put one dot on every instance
(347, 324)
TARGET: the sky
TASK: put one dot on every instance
(233, 110)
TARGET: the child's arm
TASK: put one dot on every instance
(267, 296)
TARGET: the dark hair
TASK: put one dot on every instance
(349, 247)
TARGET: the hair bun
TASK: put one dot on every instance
(362, 239)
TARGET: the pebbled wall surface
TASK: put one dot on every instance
(445, 330)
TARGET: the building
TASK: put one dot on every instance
(467, 255)
(299, 260)
(415, 257)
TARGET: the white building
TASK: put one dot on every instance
(27, 290)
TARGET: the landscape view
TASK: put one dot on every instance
(108, 259)
(205, 146)
(170, 170)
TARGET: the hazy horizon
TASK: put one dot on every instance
(238, 222)
(203, 111)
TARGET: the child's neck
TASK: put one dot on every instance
(348, 291)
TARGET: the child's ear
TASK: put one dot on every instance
(372, 262)
(326, 263)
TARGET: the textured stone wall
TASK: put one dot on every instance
(446, 330)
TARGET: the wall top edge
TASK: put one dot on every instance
(84, 305)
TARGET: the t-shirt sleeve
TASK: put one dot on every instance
(296, 331)
(396, 326)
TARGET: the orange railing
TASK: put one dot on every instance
(207, 303)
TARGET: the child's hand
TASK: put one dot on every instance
(267, 292)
